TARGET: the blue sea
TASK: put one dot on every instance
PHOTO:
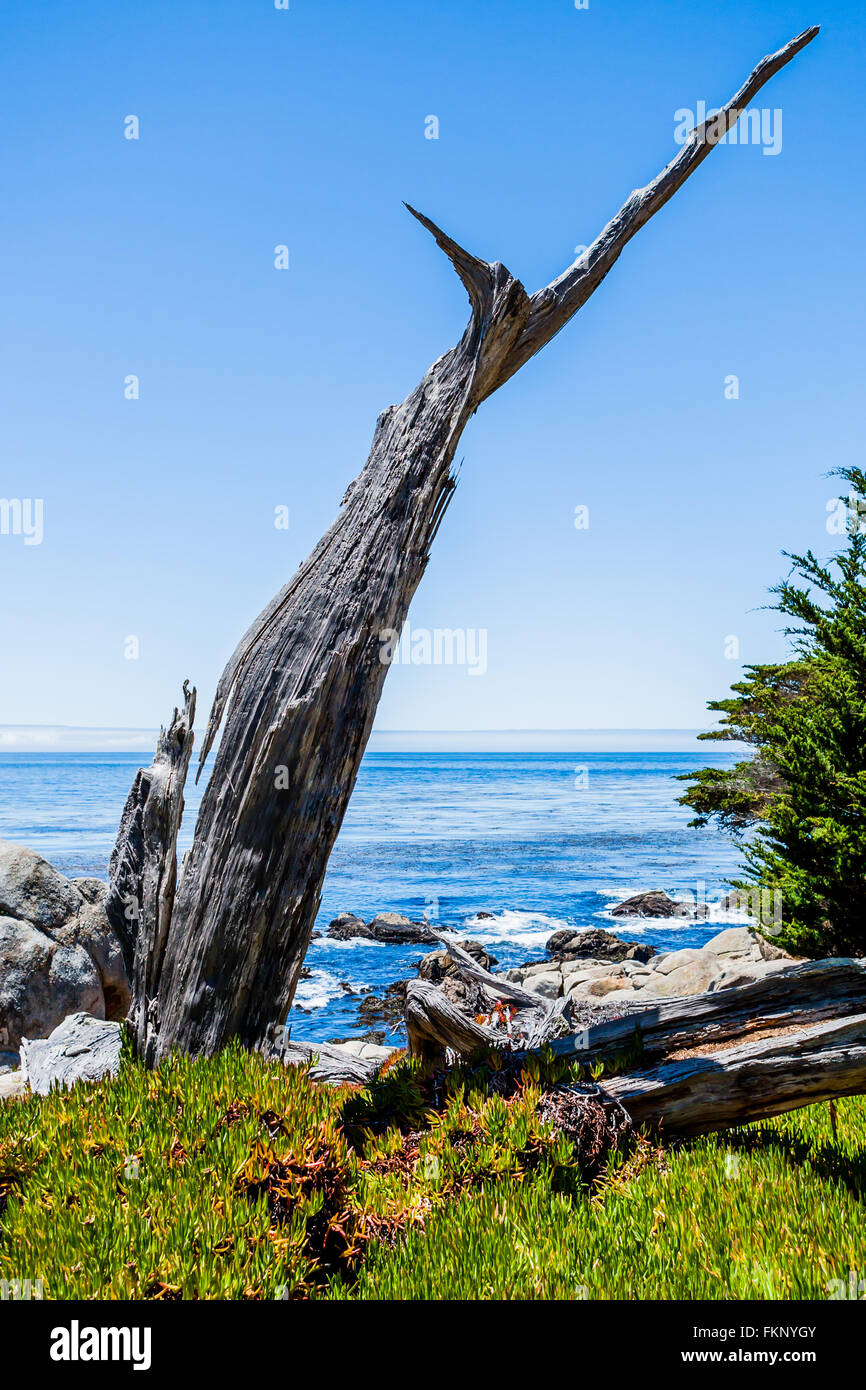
(540, 840)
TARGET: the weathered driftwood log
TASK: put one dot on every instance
(298, 697)
(435, 1022)
(697, 1095)
(796, 997)
(793, 1038)
(143, 870)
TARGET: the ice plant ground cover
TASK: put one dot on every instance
(231, 1177)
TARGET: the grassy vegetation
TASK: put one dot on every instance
(231, 1177)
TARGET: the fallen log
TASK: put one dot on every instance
(701, 1094)
(793, 1038)
(298, 697)
(504, 1013)
(797, 996)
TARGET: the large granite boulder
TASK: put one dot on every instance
(596, 944)
(657, 904)
(31, 890)
(391, 928)
(58, 953)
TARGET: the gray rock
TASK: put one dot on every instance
(392, 928)
(547, 983)
(742, 972)
(92, 890)
(598, 944)
(693, 976)
(33, 891)
(11, 1084)
(734, 941)
(58, 953)
(41, 981)
(368, 1052)
(81, 1048)
(674, 960)
(657, 904)
(92, 930)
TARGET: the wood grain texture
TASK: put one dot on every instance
(803, 994)
(751, 1082)
(298, 697)
(143, 871)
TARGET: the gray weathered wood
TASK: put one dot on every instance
(143, 870)
(298, 696)
(817, 990)
(330, 1065)
(434, 1022)
(755, 1081)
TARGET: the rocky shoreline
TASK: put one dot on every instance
(62, 973)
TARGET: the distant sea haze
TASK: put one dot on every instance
(59, 738)
(540, 839)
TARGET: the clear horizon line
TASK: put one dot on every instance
(479, 729)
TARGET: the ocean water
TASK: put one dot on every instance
(539, 840)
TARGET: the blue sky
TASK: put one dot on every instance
(259, 388)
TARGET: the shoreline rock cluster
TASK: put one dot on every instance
(64, 990)
(595, 969)
(390, 928)
(58, 952)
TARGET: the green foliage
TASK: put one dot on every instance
(799, 806)
(232, 1177)
(130, 1189)
(770, 1211)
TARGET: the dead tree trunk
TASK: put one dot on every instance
(299, 695)
(143, 872)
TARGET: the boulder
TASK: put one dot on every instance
(387, 1009)
(31, 890)
(58, 952)
(392, 928)
(598, 944)
(607, 984)
(675, 960)
(345, 926)
(734, 941)
(745, 942)
(81, 1048)
(369, 1052)
(547, 983)
(41, 981)
(11, 1084)
(742, 971)
(691, 976)
(657, 904)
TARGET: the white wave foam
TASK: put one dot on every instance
(354, 943)
(512, 927)
(318, 989)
